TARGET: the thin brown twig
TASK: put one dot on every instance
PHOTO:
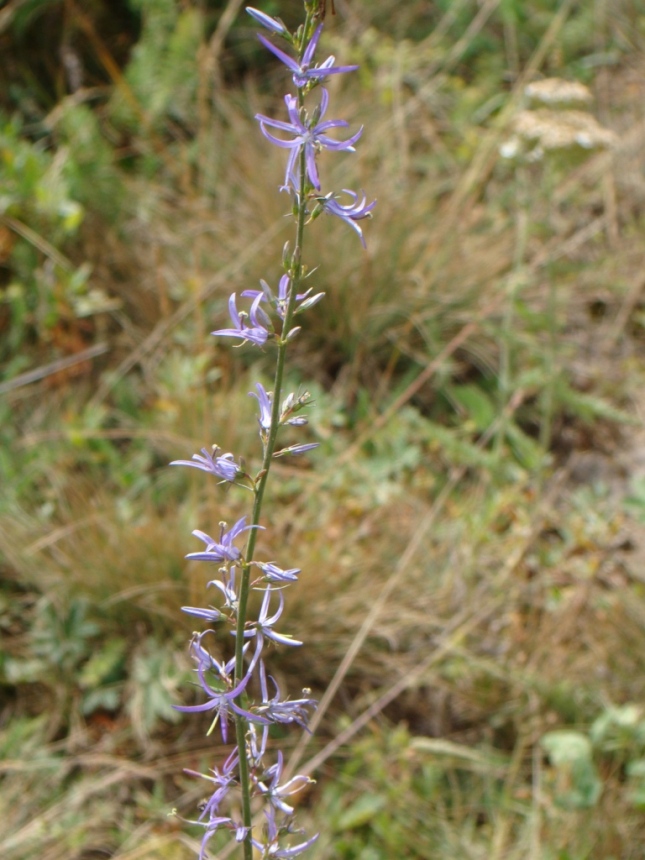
(53, 367)
(37, 241)
(216, 42)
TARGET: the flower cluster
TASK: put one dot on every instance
(224, 688)
(228, 685)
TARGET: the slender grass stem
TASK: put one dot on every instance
(505, 377)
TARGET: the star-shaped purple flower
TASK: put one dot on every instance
(274, 792)
(281, 301)
(256, 333)
(303, 71)
(221, 701)
(223, 467)
(278, 710)
(350, 213)
(228, 589)
(222, 549)
(222, 779)
(263, 627)
(272, 846)
(308, 133)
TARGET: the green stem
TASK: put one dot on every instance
(296, 273)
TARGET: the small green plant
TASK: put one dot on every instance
(616, 736)
(576, 783)
(47, 296)
(156, 676)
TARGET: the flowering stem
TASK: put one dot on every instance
(241, 726)
(229, 696)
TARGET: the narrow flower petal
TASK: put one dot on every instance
(263, 627)
(273, 24)
(296, 449)
(265, 401)
(285, 58)
(210, 614)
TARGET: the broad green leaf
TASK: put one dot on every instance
(361, 812)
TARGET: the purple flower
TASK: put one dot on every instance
(351, 212)
(220, 701)
(274, 792)
(205, 659)
(257, 332)
(263, 627)
(212, 826)
(273, 573)
(222, 550)
(227, 587)
(310, 136)
(266, 406)
(274, 24)
(271, 849)
(278, 711)
(303, 71)
(222, 467)
(222, 780)
(281, 301)
(211, 829)
(257, 745)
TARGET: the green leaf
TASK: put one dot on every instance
(104, 665)
(477, 404)
(566, 747)
(104, 698)
(361, 812)
(589, 407)
(577, 785)
(156, 679)
(527, 451)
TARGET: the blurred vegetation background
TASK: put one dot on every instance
(470, 530)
